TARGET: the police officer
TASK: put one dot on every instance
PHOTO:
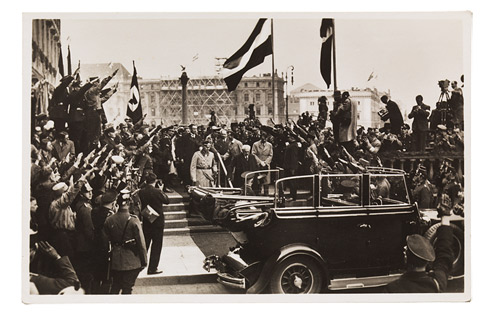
(128, 250)
(419, 253)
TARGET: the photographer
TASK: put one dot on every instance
(128, 249)
(394, 114)
(420, 113)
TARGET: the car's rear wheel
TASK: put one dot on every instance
(296, 275)
(457, 246)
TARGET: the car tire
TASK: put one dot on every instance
(458, 247)
(296, 275)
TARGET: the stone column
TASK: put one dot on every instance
(184, 106)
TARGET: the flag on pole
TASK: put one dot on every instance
(69, 62)
(60, 63)
(326, 33)
(134, 107)
(251, 54)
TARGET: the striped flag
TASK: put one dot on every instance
(251, 54)
(134, 107)
(326, 33)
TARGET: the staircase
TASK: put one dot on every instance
(177, 222)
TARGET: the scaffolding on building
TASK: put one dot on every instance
(204, 94)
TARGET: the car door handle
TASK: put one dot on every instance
(364, 226)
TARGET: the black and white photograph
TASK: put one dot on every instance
(246, 156)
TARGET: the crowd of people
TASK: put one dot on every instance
(98, 189)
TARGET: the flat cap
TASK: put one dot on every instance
(420, 247)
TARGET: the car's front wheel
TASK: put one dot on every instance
(296, 275)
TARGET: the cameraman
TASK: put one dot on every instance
(419, 253)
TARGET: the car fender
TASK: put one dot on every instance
(284, 253)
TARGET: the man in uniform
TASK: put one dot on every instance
(84, 236)
(99, 215)
(263, 152)
(153, 231)
(128, 249)
(419, 253)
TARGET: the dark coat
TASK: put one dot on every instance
(291, 156)
(189, 145)
(84, 229)
(240, 165)
(420, 115)
(396, 121)
(154, 197)
(424, 282)
(65, 277)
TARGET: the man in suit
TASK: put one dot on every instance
(242, 163)
(420, 113)
(189, 144)
(395, 116)
(63, 146)
(153, 232)
(128, 253)
(291, 163)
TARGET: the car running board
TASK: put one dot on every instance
(364, 282)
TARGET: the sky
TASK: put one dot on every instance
(408, 54)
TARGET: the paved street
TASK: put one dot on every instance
(182, 260)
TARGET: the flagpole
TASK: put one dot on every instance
(274, 109)
(334, 53)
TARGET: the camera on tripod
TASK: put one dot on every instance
(444, 84)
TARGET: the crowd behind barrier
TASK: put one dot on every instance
(97, 187)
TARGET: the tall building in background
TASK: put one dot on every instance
(305, 99)
(44, 70)
(162, 99)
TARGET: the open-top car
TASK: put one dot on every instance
(316, 232)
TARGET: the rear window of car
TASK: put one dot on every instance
(388, 189)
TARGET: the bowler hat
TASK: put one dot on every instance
(420, 247)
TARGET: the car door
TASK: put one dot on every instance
(391, 218)
(342, 223)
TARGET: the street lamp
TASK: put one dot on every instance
(292, 82)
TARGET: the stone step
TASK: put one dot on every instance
(193, 229)
(175, 215)
(174, 224)
(177, 198)
(175, 207)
